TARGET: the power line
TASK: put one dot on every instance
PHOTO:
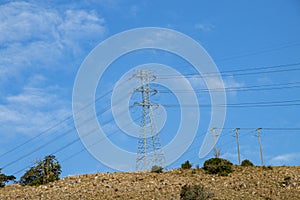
(96, 142)
(260, 52)
(35, 137)
(55, 139)
(241, 135)
(190, 149)
(244, 104)
(232, 71)
(40, 147)
(247, 54)
(58, 123)
(221, 145)
(255, 104)
(259, 70)
(282, 129)
(249, 88)
(247, 104)
(291, 85)
(265, 128)
(83, 149)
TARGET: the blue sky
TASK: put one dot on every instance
(43, 43)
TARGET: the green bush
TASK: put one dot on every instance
(186, 165)
(218, 166)
(267, 167)
(156, 169)
(45, 171)
(246, 163)
(195, 192)
(286, 182)
(4, 179)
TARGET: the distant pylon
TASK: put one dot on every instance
(260, 146)
(238, 144)
(216, 151)
(150, 150)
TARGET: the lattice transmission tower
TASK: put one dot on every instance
(150, 150)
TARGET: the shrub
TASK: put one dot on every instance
(186, 165)
(45, 171)
(156, 169)
(4, 179)
(218, 166)
(267, 168)
(195, 192)
(246, 163)
(286, 182)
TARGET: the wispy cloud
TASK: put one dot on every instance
(285, 159)
(134, 10)
(205, 27)
(229, 155)
(79, 26)
(21, 21)
(32, 110)
(34, 36)
(216, 84)
(36, 43)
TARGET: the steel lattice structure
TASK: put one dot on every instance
(150, 152)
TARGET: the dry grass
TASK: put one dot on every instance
(243, 183)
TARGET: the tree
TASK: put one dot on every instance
(4, 179)
(45, 171)
(186, 165)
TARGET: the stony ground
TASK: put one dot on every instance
(243, 183)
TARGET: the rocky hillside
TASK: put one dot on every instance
(243, 183)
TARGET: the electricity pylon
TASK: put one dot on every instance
(216, 151)
(150, 150)
(238, 144)
(260, 146)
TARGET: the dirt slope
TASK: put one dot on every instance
(243, 183)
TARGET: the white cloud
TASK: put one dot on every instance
(38, 39)
(33, 110)
(80, 26)
(33, 36)
(229, 156)
(112, 4)
(30, 97)
(134, 10)
(285, 159)
(231, 83)
(205, 27)
(216, 84)
(21, 21)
